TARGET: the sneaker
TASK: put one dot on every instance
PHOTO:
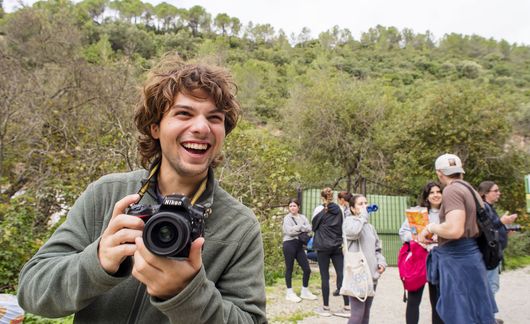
(306, 294)
(336, 293)
(291, 296)
(323, 311)
(342, 313)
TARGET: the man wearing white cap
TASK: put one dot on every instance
(456, 265)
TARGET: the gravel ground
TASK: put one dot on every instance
(513, 300)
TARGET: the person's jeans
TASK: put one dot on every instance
(493, 279)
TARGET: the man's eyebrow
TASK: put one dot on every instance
(187, 107)
(181, 106)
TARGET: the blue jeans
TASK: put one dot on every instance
(493, 279)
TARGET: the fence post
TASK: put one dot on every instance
(299, 195)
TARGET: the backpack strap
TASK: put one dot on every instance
(477, 203)
(484, 223)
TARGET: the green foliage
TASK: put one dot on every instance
(128, 40)
(34, 319)
(517, 254)
(100, 52)
(261, 89)
(22, 231)
(335, 122)
(251, 153)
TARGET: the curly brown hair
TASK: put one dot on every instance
(170, 77)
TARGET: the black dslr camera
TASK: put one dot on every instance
(172, 226)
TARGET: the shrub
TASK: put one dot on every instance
(517, 254)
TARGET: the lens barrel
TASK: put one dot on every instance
(167, 234)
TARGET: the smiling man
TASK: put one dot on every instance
(97, 264)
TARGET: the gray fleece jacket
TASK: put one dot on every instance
(360, 233)
(294, 226)
(65, 275)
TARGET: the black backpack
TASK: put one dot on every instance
(488, 240)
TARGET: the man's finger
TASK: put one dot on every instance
(195, 257)
(121, 205)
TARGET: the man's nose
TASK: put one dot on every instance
(201, 125)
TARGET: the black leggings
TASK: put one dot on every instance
(413, 305)
(294, 249)
(337, 259)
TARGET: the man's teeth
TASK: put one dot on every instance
(196, 146)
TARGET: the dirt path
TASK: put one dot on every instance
(513, 301)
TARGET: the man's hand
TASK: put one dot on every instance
(165, 277)
(380, 268)
(425, 237)
(117, 241)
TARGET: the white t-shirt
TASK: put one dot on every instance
(317, 210)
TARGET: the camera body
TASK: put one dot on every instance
(513, 227)
(171, 226)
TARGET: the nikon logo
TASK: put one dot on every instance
(172, 202)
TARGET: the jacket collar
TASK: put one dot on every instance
(206, 199)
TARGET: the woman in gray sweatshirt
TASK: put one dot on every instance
(360, 233)
(293, 225)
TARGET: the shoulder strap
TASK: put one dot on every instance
(484, 223)
(477, 204)
(472, 191)
(295, 223)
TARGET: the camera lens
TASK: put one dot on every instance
(166, 233)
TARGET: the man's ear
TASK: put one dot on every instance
(155, 131)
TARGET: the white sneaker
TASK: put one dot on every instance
(343, 313)
(323, 311)
(306, 294)
(291, 296)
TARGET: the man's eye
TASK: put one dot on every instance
(217, 118)
(182, 113)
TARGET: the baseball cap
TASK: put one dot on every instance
(449, 164)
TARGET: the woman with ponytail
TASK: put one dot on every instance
(327, 225)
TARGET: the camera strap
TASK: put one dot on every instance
(199, 192)
(145, 186)
(153, 171)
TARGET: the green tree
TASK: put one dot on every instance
(235, 26)
(128, 9)
(94, 8)
(222, 22)
(334, 122)
(166, 12)
(199, 20)
(462, 117)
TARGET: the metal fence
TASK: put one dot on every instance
(387, 220)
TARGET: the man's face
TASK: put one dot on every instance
(191, 134)
(441, 178)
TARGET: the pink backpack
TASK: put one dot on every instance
(412, 265)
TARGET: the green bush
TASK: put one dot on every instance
(34, 319)
(18, 238)
(517, 254)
